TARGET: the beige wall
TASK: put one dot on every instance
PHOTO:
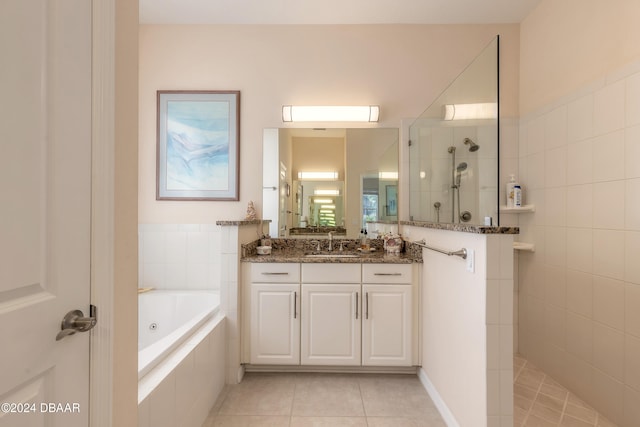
(579, 292)
(125, 297)
(566, 44)
(400, 67)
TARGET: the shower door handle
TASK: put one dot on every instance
(74, 321)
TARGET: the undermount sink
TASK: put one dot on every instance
(331, 256)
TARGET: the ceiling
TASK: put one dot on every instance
(334, 11)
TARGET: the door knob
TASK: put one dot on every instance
(74, 321)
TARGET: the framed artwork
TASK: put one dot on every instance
(198, 145)
(391, 192)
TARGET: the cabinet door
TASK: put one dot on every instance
(386, 325)
(275, 324)
(331, 324)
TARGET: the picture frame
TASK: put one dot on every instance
(391, 194)
(198, 145)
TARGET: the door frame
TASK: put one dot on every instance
(102, 210)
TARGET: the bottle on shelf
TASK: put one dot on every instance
(511, 190)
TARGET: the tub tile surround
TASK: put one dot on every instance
(179, 256)
(578, 293)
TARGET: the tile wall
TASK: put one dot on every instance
(179, 256)
(579, 292)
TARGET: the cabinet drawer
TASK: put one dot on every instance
(330, 273)
(275, 272)
(386, 273)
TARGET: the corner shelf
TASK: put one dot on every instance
(521, 246)
(525, 208)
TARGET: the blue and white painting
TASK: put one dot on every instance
(197, 145)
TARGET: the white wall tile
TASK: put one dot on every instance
(608, 350)
(632, 256)
(535, 135)
(154, 276)
(632, 309)
(580, 249)
(175, 275)
(556, 128)
(609, 393)
(608, 253)
(632, 362)
(555, 326)
(154, 244)
(632, 106)
(493, 347)
(506, 392)
(608, 205)
(197, 276)
(556, 167)
(632, 204)
(580, 337)
(632, 152)
(176, 247)
(555, 286)
(608, 302)
(535, 172)
(608, 108)
(197, 247)
(506, 301)
(555, 246)
(580, 206)
(556, 207)
(608, 156)
(580, 293)
(580, 119)
(162, 405)
(580, 162)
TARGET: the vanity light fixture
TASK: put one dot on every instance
(315, 200)
(317, 175)
(332, 207)
(326, 113)
(320, 192)
(487, 110)
(388, 175)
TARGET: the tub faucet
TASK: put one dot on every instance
(331, 240)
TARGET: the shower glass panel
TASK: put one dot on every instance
(454, 149)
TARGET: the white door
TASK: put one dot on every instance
(331, 324)
(386, 325)
(45, 176)
(275, 324)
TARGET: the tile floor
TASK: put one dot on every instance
(336, 400)
(539, 401)
(325, 400)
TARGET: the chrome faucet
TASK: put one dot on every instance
(331, 240)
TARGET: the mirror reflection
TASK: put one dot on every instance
(453, 165)
(321, 180)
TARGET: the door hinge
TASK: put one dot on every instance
(409, 143)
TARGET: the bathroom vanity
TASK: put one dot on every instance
(330, 310)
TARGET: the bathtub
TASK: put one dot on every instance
(181, 356)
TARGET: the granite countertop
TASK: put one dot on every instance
(296, 250)
(465, 228)
(376, 257)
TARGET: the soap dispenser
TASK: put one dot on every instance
(511, 185)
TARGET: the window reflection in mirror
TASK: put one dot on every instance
(337, 178)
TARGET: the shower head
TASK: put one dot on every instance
(461, 167)
(472, 145)
(451, 149)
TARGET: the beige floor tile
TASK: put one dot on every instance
(258, 394)
(395, 396)
(546, 413)
(328, 395)
(585, 414)
(524, 391)
(522, 403)
(603, 422)
(248, 421)
(328, 422)
(533, 421)
(559, 393)
(531, 378)
(550, 402)
(568, 421)
(405, 422)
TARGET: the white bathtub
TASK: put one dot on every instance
(181, 356)
(166, 319)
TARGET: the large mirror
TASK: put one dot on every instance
(453, 164)
(317, 181)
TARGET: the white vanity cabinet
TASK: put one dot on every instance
(275, 314)
(387, 315)
(331, 314)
